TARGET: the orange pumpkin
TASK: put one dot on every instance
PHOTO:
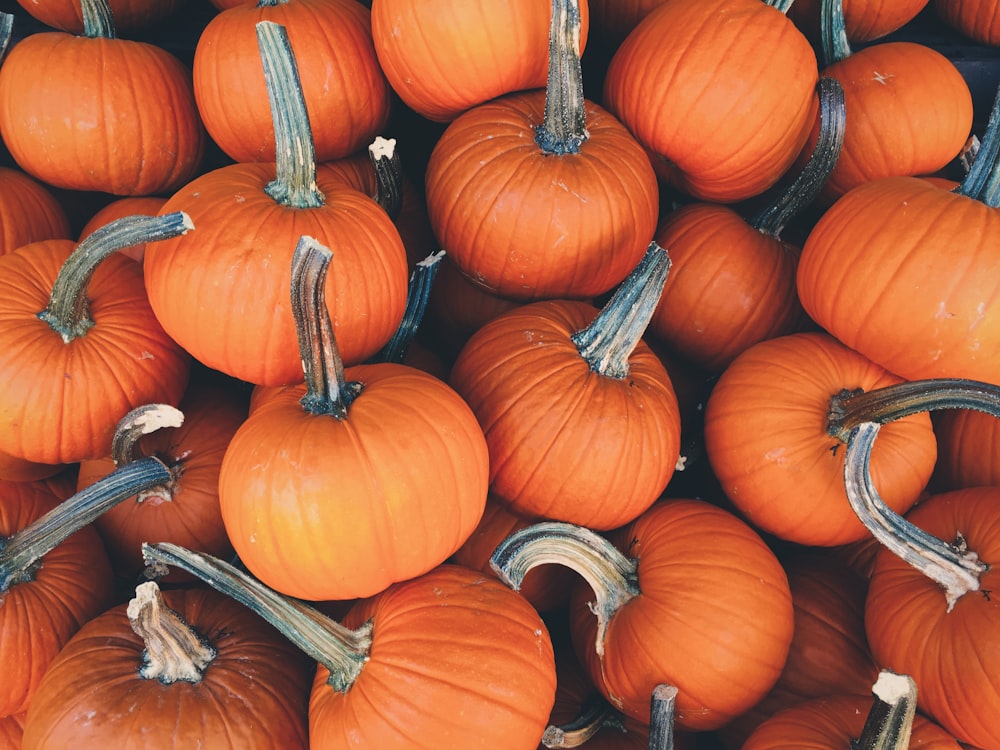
(977, 19)
(29, 212)
(865, 20)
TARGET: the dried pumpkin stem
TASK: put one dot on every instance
(327, 388)
(834, 45)
(417, 296)
(342, 651)
(595, 715)
(388, 175)
(610, 339)
(141, 421)
(781, 5)
(564, 129)
(890, 721)
(6, 33)
(294, 184)
(67, 312)
(174, 652)
(661, 726)
(951, 565)
(832, 117)
(20, 553)
(982, 182)
(612, 576)
(98, 21)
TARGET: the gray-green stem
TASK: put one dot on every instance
(612, 336)
(342, 651)
(595, 715)
(67, 312)
(417, 296)
(834, 45)
(6, 33)
(174, 652)
(388, 175)
(661, 712)
(982, 182)
(98, 22)
(564, 128)
(141, 421)
(294, 184)
(20, 553)
(613, 577)
(890, 721)
(780, 5)
(327, 388)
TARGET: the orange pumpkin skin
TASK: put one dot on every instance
(954, 657)
(442, 57)
(865, 20)
(524, 224)
(129, 15)
(977, 19)
(252, 695)
(968, 449)
(15, 469)
(729, 286)
(714, 617)
(152, 143)
(675, 96)
(11, 731)
(561, 436)
(138, 205)
(60, 403)
(767, 441)
(346, 94)
(240, 259)
(28, 212)
(905, 273)
(324, 509)
(37, 617)
(458, 660)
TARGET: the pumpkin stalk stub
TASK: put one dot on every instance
(612, 336)
(417, 297)
(612, 576)
(144, 420)
(661, 726)
(388, 175)
(594, 716)
(982, 182)
(564, 129)
(67, 312)
(890, 721)
(174, 650)
(98, 21)
(342, 651)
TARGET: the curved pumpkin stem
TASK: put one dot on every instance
(594, 716)
(294, 184)
(834, 45)
(661, 725)
(67, 312)
(20, 553)
(327, 389)
(613, 577)
(141, 421)
(952, 565)
(781, 5)
(890, 721)
(342, 651)
(98, 21)
(982, 182)
(174, 651)
(417, 296)
(388, 175)
(612, 336)
(832, 117)
(564, 129)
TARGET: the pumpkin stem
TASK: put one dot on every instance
(6, 33)
(174, 650)
(342, 651)
(270, 3)
(388, 175)
(612, 336)
(612, 576)
(294, 184)
(20, 552)
(418, 295)
(327, 388)
(832, 118)
(661, 725)
(890, 720)
(781, 5)
(595, 715)
(834, 45)
(982, 182)
(98, 21)
(130, 429)
(564, 129)
(67, 312)
(953, 566)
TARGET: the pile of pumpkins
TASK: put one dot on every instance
(455, 374)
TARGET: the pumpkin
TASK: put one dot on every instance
(442, 57)
(450, 659)
(542, 195)
(106, 114)
(864, 20)
(345, 92)
(688, 595)
(720, 91)
(576, 409)
(120, 208)
(191, 666)
(968, 449)
(81, 345)
(29, 212)
(130, 16)
(11, 731)
(977, 19)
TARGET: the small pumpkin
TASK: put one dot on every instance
(29, 212)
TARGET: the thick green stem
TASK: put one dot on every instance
(982, 182)
(174, 652)
(98, 21)
(594, 716)
(612, 336)
(834, 45)
(781, 5)
(417, 297)
(388, 175)
(6, 33)
(327, 389)
(20, 553)
(832, 116)
(661, 712)
(564, 129)
(952, 565)
(67, 312)
(613, 577)
(294, 184)
(270, 3)
(890, 720)
(131, 428)
(342, 651)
